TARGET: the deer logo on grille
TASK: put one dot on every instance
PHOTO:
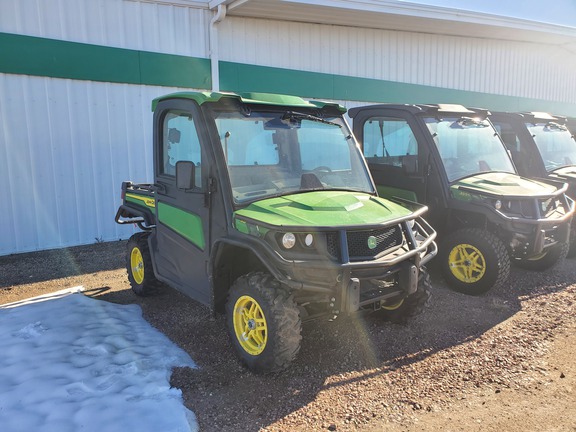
(372, 242)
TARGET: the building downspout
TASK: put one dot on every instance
(214, 55)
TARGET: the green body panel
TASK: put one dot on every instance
(389, 191)
(29, 55)
(188, 225)
(253, 98)
(503, 184)
(324, 208)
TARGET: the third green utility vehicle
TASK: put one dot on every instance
(263, 208)
(541, 146)
(452, 159)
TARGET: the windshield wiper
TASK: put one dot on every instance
(469, 122)
(553, 126)
(293, 115)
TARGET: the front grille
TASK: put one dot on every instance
(361, 246)
(549, 208)
(333, 244)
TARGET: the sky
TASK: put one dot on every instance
(559, 12)
(98, 367)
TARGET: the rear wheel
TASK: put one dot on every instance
(546, 260)
(473, 261)
(411, 306)
(263, 322)
(139, 266)
(572, 249)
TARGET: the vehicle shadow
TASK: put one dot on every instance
(346, 352)
(33, 267)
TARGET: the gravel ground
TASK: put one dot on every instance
(501, 361)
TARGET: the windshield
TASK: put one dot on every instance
(468, 146)
(555, 143)
(278, 153)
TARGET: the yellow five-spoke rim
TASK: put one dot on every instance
(137, 265)
(467, 263)
(250, 325)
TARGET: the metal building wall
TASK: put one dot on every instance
(482, 65)
(65, 148)
(118, 23)
(66, 145)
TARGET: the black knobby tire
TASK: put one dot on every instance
(473, 261)
(252, 296)
(414, 304)
(550, 259)
(139, 266)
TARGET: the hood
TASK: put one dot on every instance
(567, 173)
(324, 209)
(504, 184)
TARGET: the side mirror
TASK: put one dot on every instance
(410, 164)
(185, 175)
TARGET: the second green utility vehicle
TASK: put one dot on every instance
(452, 159)
(263, 208)
(541, 146)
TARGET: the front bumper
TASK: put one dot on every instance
(531, 237)
(535, 225)
(347, 282)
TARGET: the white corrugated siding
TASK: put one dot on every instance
(65, 148)
(481, 65)
(117, 23)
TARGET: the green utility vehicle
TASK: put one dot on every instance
(541, 146)
(263, 208)
(452, 159)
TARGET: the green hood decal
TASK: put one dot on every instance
(504, 184)
(324, 208)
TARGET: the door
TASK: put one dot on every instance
(390, 145)
(181, 243)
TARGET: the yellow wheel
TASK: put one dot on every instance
(473, 260)
(137, 265)
(250, 325)
(412, 305)
(393, 306)
(467, 263)
(547, 259)
(263, 322)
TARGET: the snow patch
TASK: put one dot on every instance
(70, 363)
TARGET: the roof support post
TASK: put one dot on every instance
(214, 53)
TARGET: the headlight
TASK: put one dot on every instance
(497, 204)
(308, 240)
(288, 240)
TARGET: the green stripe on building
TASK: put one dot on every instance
(188, 225)
(53, 58)
(28, 55)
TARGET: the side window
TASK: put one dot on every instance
(388, 141)
(180, 143)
